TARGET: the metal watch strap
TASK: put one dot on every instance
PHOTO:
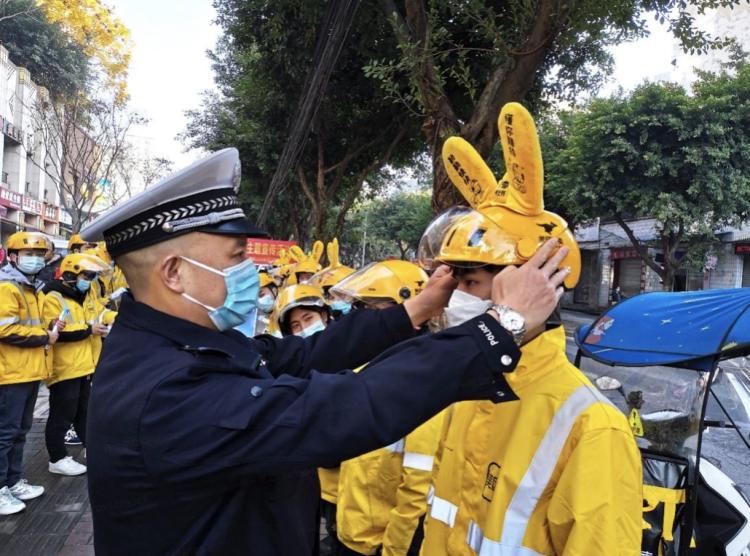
(517, 334)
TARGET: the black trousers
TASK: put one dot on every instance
(68, 405)
(16, 415)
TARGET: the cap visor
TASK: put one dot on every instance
(237, 227)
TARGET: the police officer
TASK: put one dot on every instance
(201, 441)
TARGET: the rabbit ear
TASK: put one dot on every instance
(468, 172)
(297, 253)
(524, 176)
(317, 251)
(332, 250)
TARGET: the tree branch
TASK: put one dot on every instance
(642, 249)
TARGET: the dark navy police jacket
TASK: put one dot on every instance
(202, 442)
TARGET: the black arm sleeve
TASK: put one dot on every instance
(74, 335)
(25, 341)
(242, 425)
(346, 344)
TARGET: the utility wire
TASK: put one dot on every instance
(336, 25)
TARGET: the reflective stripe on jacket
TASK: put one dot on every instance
(23, 335)
(555, 472)
(382, 494)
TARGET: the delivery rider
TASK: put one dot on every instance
(24, 341)
(382, 494)
(70, 300)
(553, 468)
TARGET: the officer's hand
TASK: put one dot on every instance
(534, 289)
(99, 329)
(431, 301)
(53, 336)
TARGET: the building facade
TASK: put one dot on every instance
(609, 260)
(29, 199)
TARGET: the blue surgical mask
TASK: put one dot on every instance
(312, 329)
(265, 303)
(30, 264)
(341, 306)
(83, 285)
(243, 284)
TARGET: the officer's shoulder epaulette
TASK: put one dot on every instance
(204, 350)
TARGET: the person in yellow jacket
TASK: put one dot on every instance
(24, 339)
(74, 357)
(555, 470)
(382, 495)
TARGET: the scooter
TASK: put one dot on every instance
(676, 364)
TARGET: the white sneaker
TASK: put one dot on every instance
(24, 491)
(67, 466)
(9, 504)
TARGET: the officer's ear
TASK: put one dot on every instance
(170, 271)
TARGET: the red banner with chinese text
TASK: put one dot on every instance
(265, 251)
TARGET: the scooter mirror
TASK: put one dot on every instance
(607, 383)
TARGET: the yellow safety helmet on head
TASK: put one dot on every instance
(507, 223)
(394, 281)
(306, 262)
(265, 279)
(27, 240)
(329, 277)
(82, 262)
(300, 295)
(77, 241)
(334, 272)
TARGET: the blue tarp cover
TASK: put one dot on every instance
(670, 328)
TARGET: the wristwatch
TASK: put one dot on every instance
(512, 321)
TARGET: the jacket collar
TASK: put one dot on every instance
(10, 273)
(542, 355)
(187, 335)
(64, 289)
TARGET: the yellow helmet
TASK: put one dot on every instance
(265, 279)
(28, 240)
(76, 241)
(329, 277)
(334, 272)
(300, 295)
(82, 262)
(306, 262)
(394, 281)
(507, 223)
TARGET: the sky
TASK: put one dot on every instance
(170, 69)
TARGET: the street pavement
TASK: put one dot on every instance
(59, 523)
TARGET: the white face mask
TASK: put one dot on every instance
(311, 329)
(464, 306)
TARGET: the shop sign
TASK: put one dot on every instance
(742, 248)
(51, 213)
(32, 205)
(624, 253)
(11, 199)
(265, 251)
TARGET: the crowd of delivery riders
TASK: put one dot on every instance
(55, 311)
(548, 466)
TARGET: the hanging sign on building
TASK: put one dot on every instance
(51, 213)
(11, 199)
(624, 253)
(742, 248)
(32, 205)
(265, 251)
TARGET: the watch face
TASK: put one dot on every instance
(512, 320)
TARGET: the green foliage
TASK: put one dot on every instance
(54, 60)
(393, 225)
(659, 152)
(261, 64)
